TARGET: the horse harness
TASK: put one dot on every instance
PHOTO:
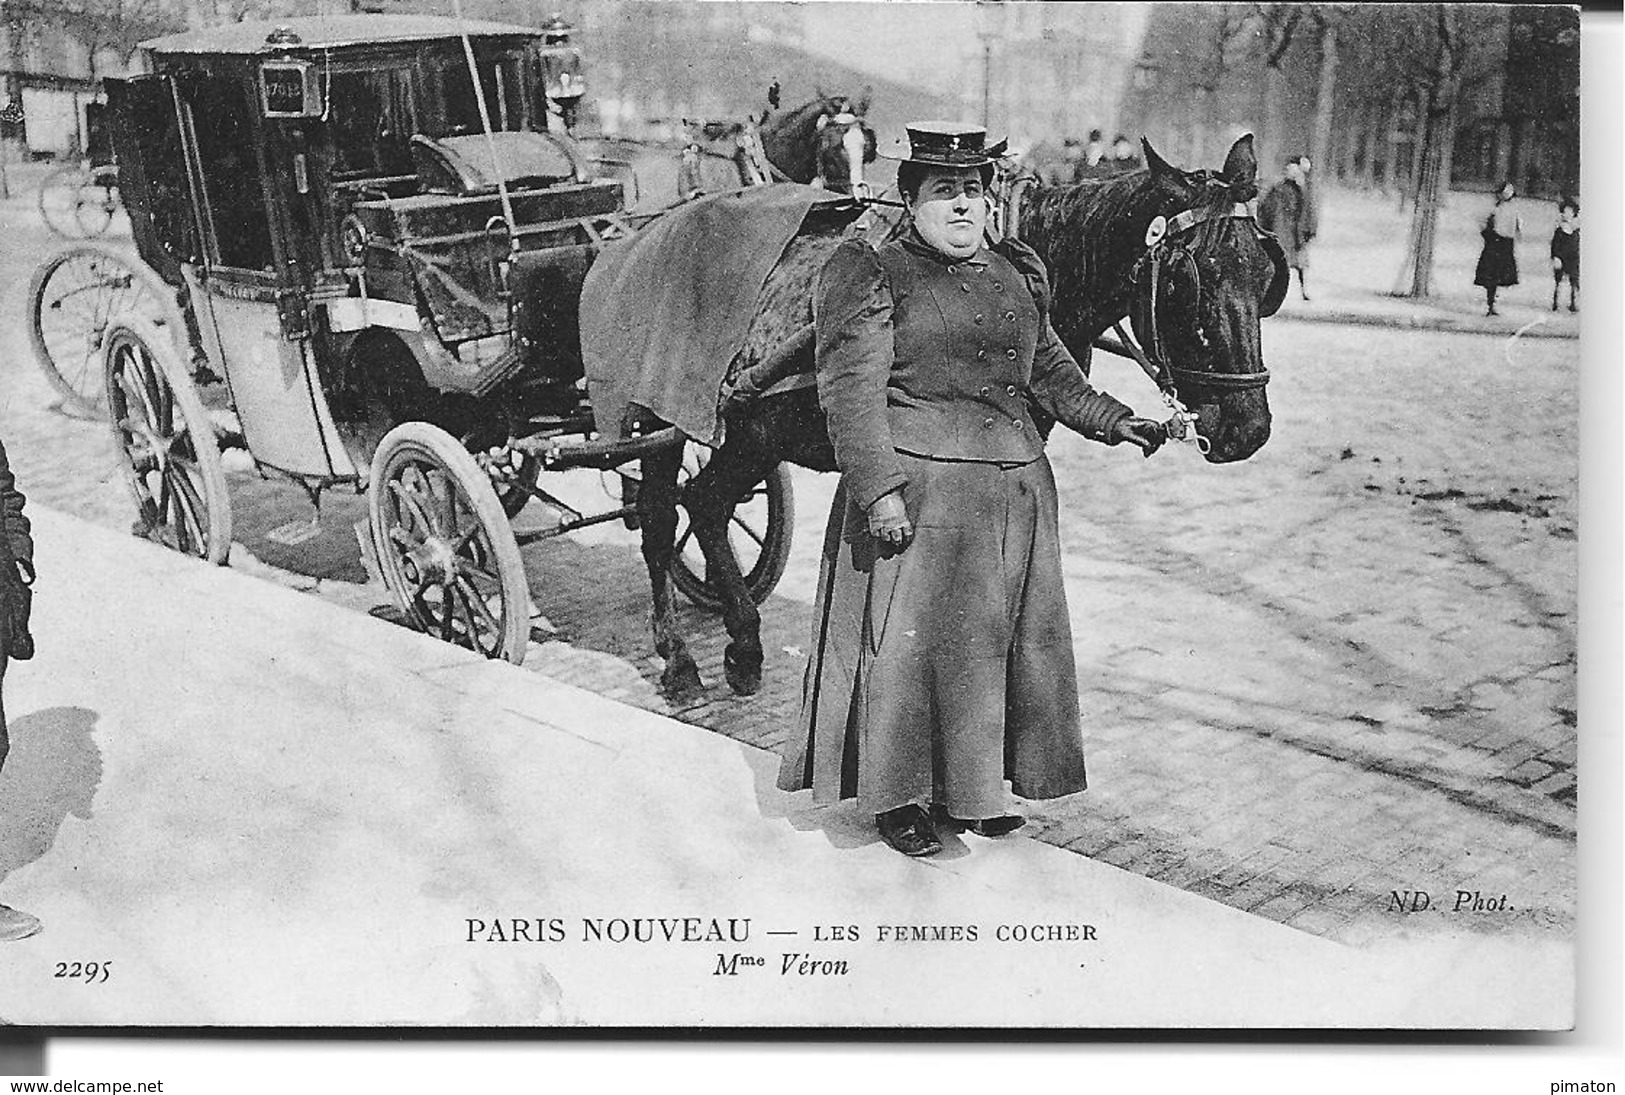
(1165, 246)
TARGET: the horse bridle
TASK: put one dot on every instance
(1164, 247)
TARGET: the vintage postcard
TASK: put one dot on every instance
(552, 519)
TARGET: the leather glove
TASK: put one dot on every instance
(889, 523)
(1147, 435)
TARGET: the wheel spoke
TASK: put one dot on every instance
(478, 572)
(128, 372)
(467, 606)
(446, 611)
(476, 599)
(413, 508)
(164, 500)
(740, 523)
(187, 492)
(445, 501)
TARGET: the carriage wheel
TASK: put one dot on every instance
(446, 550)
(171, 455)
(74, 297)
(97, 200)
(512, 476)
(759, 533)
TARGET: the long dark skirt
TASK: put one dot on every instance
(938, 673)
(1497, 264)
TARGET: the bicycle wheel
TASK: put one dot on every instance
(74, 297)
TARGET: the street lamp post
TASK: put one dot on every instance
(987, 78)
(988, 12)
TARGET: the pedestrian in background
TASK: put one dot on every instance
(1093, 152)
(1311, 195)
(1070, 169)
(941, 659)
(16, 575)
(1498, 263)
(1124, 158)
(1566, 252)
(1288, 212)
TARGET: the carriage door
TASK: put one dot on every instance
(254, 285)
(146, 134)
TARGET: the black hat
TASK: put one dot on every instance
(950, 144)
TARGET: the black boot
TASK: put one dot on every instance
(908, 830)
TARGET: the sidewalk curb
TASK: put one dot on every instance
(1441, 324)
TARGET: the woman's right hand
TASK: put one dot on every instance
(888, 521)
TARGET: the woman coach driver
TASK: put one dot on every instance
(941, 662)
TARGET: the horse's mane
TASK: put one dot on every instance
(796, 124)
(1090, 234)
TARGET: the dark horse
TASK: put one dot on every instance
(825, 142)
(1216, 277)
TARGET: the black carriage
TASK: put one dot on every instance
(375, 262)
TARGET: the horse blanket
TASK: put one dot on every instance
(664, 312)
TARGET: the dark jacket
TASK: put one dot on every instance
(1288, 212)
(17, 544)
(943, 358)
(18, 531)
(1566, 250)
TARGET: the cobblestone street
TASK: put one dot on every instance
(1341, 669)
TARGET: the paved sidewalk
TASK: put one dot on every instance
(262, 809)
(1354, 266)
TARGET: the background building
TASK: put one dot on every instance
(1355, 84)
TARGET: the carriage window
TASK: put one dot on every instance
(506, 96)
(231, 178)
(372, 120)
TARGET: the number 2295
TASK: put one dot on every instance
(91, 973)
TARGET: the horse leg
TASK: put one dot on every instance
(657, 517)
(710, 498)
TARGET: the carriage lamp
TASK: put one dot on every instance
(561, 63)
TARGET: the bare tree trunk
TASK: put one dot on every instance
(1349, 141)
(1370, 130)
(1433, 181)
(1424, 112)
(1321, 142)
(1392, 176)
(1274, 142)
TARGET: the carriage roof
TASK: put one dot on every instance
(327, 33)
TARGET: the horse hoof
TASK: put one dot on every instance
(743, 680)
(680, 680)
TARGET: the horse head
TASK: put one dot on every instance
(1206, 275)
(825, 139)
